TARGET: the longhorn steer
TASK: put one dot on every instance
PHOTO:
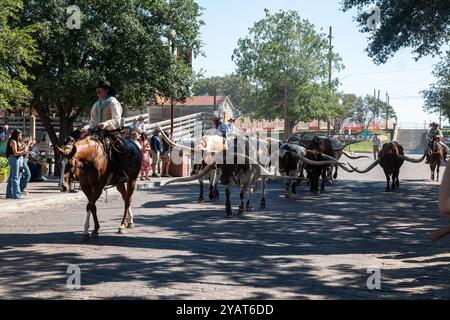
(391, 159)
(320, 150)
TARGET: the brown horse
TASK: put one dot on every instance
(88, 161)
(435, 157)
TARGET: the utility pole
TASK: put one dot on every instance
(173, 50)
(387, 110)
(285, 107)
(330, 56)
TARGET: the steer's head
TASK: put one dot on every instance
(69, 166)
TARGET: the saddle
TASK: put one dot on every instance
(114, 145)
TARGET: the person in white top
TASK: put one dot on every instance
(138, 125)
(232, 129)
(106, 115)
(107, 111)
(434, 133)
(376, 142)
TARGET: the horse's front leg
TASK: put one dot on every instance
(125, 220)
(95, 196)
(87, 223)
(437, 169)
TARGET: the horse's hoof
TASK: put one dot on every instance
(94, 235)
(201, 201)
(122, 230)
(85, 238)
(131, 226)
(248, 209)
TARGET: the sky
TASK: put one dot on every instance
(227, 21)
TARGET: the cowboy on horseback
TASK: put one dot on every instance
(106, 117)
(102, 159)
(435, 134)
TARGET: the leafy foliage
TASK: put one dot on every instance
(13, 63)
(239, 90)
(284, 51)
(437, 97)
(123, 41)
(422, 25)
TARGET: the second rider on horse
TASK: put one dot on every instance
(106, 117)
(435, 134)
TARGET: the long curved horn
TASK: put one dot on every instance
(355, 158)
(373, 165)
(345, 146)
(263, 171)
(197, 176)
(411, 159)
(330, 158)
(439, 234)
(342, 166)
(170, 142)
(314, 162)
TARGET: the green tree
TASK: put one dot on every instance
(344, 110)
(368, 109)
(285, 54)
(13, 63)
(124, 41)
(437, 97)
(239, 90)
(422, 25)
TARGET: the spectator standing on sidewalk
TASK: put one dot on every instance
(14, 154)
(138, 125)
(145, 151)
(4, 132)
(26, 175)
(156, 147)
(165, 156)
(376, 142)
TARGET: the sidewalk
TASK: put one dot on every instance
(46, 193)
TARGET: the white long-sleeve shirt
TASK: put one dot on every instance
(111, 115)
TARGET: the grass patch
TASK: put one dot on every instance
(361, 147)
(366, 145)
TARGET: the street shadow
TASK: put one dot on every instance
(269, 251)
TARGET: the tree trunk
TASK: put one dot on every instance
(291, 126)
(65, 126)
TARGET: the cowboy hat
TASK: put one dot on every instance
(104, 84)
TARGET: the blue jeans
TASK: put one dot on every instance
(26, 176)
(13, 187)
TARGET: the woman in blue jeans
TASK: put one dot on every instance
(26, 175)
(14, 154)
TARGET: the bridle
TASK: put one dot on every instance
(75, 165)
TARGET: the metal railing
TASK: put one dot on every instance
(182, 126)
(413, 125)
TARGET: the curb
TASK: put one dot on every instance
(10, 205)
